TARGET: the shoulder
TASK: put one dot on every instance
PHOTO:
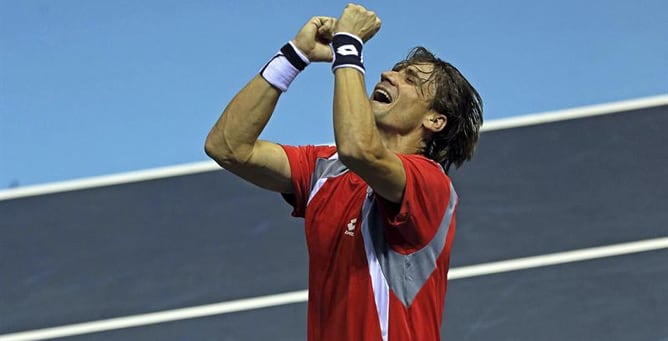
(423, 167)
(428, 188)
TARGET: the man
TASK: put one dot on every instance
(379, 208)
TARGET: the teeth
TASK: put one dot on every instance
(385, 93)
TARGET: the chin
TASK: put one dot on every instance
(379, 109)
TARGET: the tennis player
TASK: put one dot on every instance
(379, 207)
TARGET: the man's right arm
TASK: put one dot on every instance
(233, 140)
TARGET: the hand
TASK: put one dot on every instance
(313, 39)
(359, 21)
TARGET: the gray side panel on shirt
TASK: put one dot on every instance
(327, 168)
(406, 274)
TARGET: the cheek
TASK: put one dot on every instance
(411, 117)
(415, 110)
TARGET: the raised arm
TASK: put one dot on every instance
(233, 141)
(358, 141)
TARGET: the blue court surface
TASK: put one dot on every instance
(562, 234)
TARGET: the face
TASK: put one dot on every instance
(402, 99)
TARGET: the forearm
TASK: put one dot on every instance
(355, 130)
(233, 136)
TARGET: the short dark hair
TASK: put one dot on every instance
(455, 98)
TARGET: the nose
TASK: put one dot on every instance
(389, 76)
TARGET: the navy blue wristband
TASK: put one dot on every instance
(347, 52)
(293, 57)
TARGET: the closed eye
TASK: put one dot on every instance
(412, 77)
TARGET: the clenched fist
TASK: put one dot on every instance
(359, 21)
(313, 39)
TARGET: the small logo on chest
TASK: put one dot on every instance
(350, 228)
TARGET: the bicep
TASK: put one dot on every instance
(267, 167)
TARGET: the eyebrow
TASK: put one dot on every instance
(412, 72)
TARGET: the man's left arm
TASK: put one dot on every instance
(357, 140)
(358, 143)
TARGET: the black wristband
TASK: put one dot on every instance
(347, 52)
(289, 52)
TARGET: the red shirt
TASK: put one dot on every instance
(377, 270)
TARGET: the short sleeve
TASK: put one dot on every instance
(302, 161)
(413, 223)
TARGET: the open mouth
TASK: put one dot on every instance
(382, 96)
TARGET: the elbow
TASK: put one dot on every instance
(217, 148)
(211, 149)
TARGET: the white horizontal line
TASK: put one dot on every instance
(558, 258)
(580, 112)
(573, 113)
(204, 166)
(160, 317)
(108, 180)
(302, 295)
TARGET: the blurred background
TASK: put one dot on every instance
(99, 87)
(95, 88)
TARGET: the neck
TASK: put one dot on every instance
(411, 143)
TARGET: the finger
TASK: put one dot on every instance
(321, 21)
(327, 29)
(327, 22)
(377, 26)
(324, 34)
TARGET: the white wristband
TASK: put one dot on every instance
(284, 67)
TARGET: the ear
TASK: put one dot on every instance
(435, 122)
